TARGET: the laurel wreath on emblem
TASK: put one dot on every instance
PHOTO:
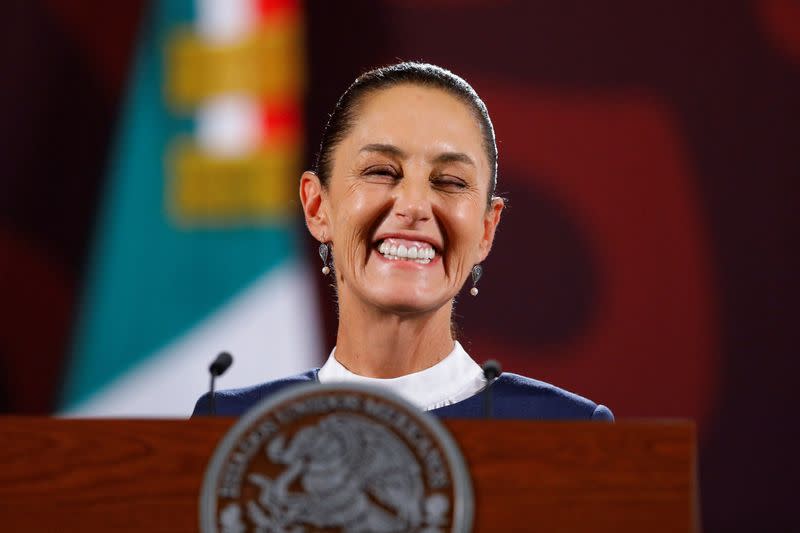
(346, 471)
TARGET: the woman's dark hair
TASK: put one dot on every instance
(423, 74)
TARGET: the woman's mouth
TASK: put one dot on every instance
(407, 250)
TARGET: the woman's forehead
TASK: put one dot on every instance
(416, 119)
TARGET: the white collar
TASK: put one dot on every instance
(454, 378)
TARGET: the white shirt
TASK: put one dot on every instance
(454, 378)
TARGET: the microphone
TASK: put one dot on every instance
(491, 371)
(216, 369)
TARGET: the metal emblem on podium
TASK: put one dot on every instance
(336, 457)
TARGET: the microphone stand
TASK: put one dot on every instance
(217, 368)
(491, 371)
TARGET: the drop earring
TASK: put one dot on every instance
(477, 272)
(324, 252)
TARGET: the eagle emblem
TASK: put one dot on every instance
(342, 459)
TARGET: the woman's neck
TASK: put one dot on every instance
(375, 343)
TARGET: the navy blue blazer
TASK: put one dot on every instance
(513, 397)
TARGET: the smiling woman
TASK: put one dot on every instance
(402, 201)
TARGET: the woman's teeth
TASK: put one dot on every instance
(422, 254)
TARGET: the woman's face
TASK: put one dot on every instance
(405, 208)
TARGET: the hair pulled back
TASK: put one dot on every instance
(344, 113)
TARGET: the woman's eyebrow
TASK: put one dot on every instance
(387, 149)
(453, 157)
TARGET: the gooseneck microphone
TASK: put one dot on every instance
(222, 362)
(491, 371)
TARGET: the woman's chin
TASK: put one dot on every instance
(403, 286)
(401, 299)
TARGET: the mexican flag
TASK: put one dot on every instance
(196, 246)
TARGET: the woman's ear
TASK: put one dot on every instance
(490, 221)
(312, 196)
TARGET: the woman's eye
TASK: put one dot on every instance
(388, 172)
(449, 182)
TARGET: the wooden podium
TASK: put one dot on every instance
(145, 475)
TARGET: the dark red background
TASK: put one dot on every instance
(650, 154)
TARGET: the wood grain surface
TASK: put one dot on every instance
(145, 475)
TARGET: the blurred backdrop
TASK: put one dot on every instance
(149, 219)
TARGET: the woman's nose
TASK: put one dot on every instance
(412, 203)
